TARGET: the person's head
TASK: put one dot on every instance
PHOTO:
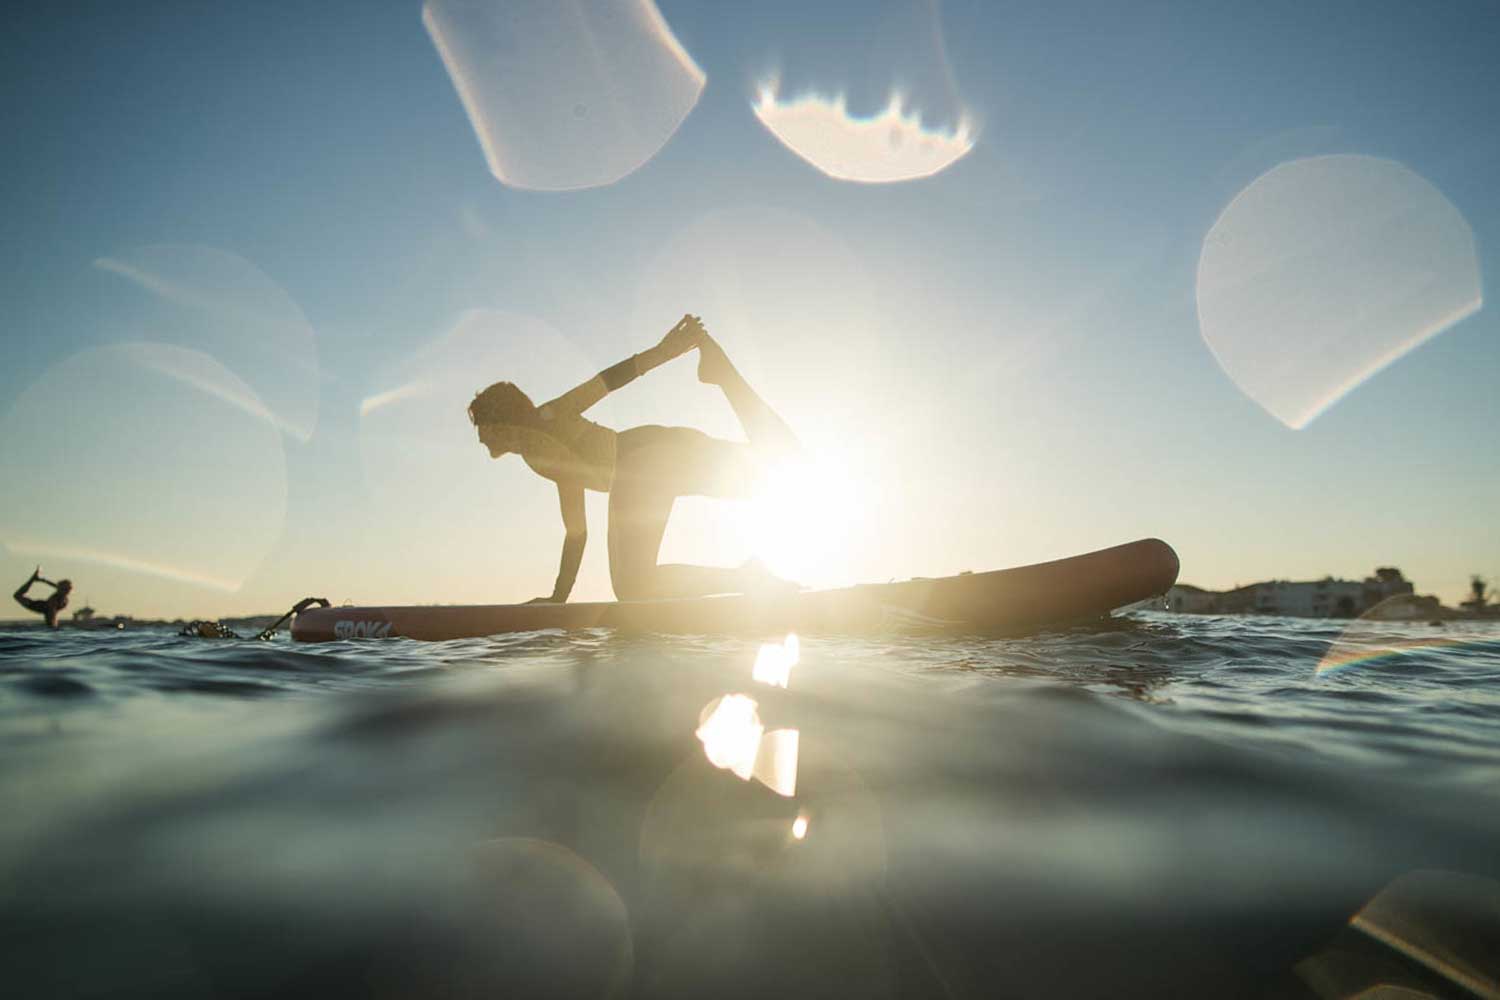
(63, 586)
(500, 413)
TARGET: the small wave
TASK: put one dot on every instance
(55, 685)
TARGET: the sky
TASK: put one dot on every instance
(1028, 279)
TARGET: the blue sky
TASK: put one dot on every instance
(1004, 360)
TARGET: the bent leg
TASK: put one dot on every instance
(637, 519)
(761, 424)
(654, 466)
(31, 604)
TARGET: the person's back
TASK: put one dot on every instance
(584, 451)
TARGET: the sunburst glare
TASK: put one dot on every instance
(806, 519)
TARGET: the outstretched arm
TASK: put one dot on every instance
(679, 340)
(575, 537)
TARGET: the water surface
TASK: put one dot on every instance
(1168, 805)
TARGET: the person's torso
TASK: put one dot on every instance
(577, 450)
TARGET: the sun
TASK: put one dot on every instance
(804, 521)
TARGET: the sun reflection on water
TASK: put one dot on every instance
(735, 739)
(774, 662)
(730, 729)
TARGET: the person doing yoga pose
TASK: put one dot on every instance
(643, 469)
(49, 606)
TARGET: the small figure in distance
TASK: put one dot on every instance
(53, 604)
(644, 469)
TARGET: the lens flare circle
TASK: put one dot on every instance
(716, 865)
(798, 315)
(565, 94)
(143, 459)
(885, 148)
(432, 488)
(219, 303)
(561, 927)
(413, 425)
(1324, 271)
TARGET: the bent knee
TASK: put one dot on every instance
(635, 585)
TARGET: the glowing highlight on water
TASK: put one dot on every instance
(774, 663)
(735, 740)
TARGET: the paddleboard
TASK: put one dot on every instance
(1006, 602)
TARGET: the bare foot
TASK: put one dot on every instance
(713, 364)
(760, 580)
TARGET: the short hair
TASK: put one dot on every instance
(502, 403)
(64, 584)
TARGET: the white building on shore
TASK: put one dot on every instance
(1326, 598)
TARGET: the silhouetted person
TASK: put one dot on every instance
(643, 469)
(49, 607)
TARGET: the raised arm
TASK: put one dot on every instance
(575, 537)
(679, 340)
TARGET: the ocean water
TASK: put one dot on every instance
(1159, 806)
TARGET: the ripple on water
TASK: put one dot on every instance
(54, 685)
(1233, 678)
(1173, 806)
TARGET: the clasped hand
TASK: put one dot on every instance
(686, 335)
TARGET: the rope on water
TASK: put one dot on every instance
(218, 630)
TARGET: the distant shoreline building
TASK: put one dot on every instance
(1387, 589)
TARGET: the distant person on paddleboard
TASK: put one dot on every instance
(49, 607)
(644, 469)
